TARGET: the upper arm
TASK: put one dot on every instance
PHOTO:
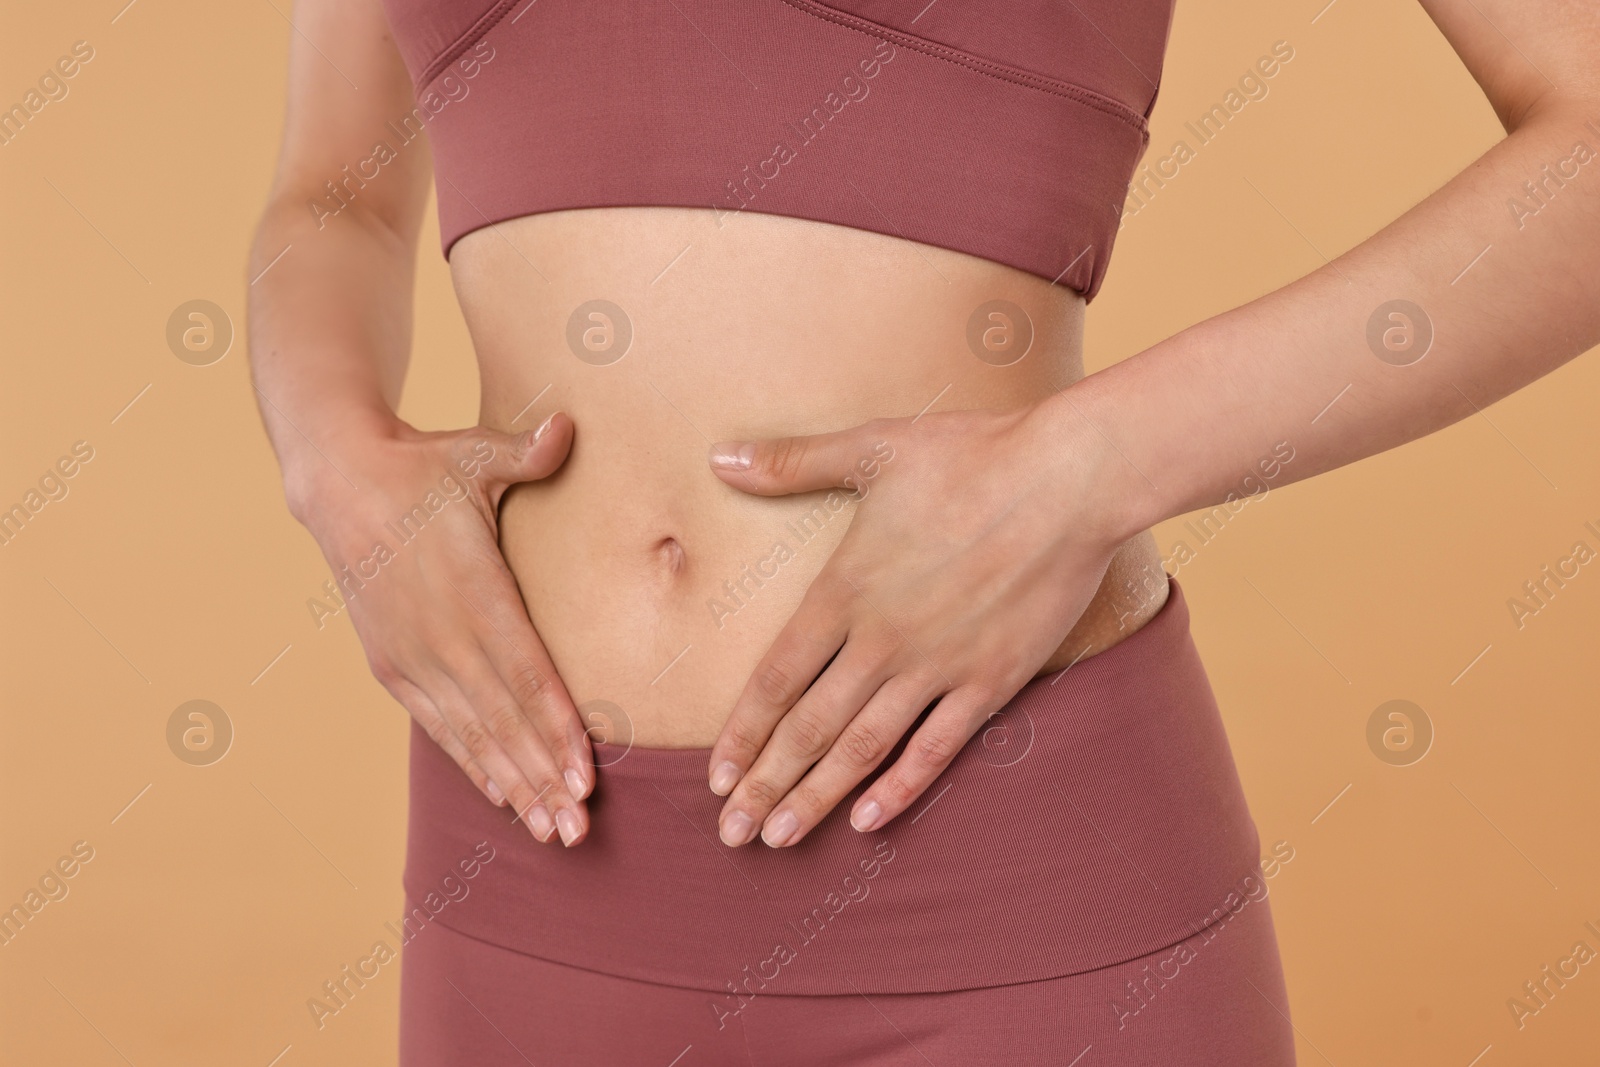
(347, 83)
(1524, 53)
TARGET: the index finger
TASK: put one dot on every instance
(525, 668)
(801, 651)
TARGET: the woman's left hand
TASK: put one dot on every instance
(979, 539)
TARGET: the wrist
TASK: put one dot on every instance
(1108, 497)
(328, 468)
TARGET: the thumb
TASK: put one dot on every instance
(526, 457)
(781, 465)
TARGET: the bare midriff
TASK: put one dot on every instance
(656, 587)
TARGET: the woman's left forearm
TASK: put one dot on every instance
(1500, 295)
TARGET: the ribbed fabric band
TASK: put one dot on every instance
(1007, 130)
(1097, 819)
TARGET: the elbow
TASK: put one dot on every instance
(273, 234)
(1576, 108)
(301, 213)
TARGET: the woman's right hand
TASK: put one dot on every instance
(415, 552)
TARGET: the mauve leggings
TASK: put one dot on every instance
(1080, 887)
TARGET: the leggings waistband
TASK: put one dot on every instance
(1096, 819)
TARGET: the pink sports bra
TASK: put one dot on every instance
(1007, 129)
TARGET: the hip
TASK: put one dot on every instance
(1097, 819)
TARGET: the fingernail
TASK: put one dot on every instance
(733, 456)
(736, 829)
(568, 823)
(780, 829)
(543, 426)
(539, 822)
(495, 794)
(574, 783)
(867, 816)
(724, 778)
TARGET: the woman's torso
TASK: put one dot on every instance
(655, 586)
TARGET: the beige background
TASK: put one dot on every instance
(216, 904)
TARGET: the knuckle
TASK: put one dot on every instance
(553, 793)
(507, 725)
(777, 682)
(520, 794)
(807, 736)
(439, 731)
(785, 456)
(761, 793)
(935, 748)
(514, 447)
(882, 644)
(543, 787)
(476, 738)
(383, 669)
(473, 445)
(742, 739)
(808, 804)
(527, 683)
(897, 793)
(863, 745)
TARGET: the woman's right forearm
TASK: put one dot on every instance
(440, 617)
(330, 336)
